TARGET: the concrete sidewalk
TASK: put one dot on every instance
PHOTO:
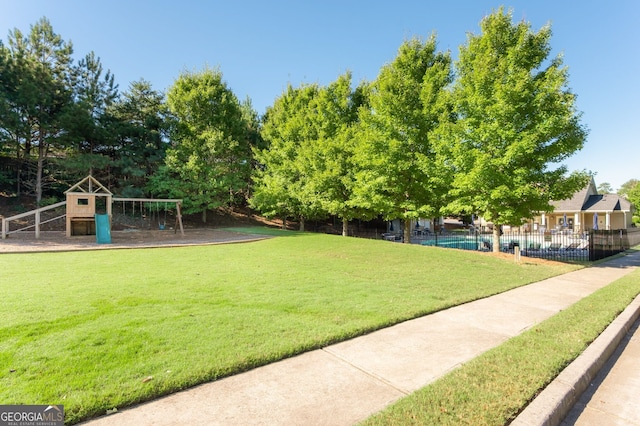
(347, 382)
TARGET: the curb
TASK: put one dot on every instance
(553, 404)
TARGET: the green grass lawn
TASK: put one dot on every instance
(493, 388)
(102, 329)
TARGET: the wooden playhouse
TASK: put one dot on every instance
(85, 199)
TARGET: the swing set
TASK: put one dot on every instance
(146, 205)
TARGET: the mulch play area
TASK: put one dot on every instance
(57, 241)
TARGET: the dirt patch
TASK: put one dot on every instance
(139, 230)
(57, 240)
(523, 259)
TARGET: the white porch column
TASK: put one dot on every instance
(607, 223)
(543, 220)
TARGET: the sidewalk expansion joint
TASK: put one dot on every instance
(381, 379)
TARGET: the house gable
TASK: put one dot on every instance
(579, 199)
(586, 207)
(606, 202)
(588, 200)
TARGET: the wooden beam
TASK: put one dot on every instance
(149, 200)
(36, 213)
(179, 218)
(91, 181)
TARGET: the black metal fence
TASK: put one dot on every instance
(561, 245)
(557, 246)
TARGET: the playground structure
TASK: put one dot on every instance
(88, 202)
(85, 199)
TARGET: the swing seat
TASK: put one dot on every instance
(162, 225)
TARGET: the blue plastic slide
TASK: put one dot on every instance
(103, 229)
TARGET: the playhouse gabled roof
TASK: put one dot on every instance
(88, 185)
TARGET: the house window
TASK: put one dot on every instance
(83, 201)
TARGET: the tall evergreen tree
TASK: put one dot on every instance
(42, 95)
(141, 127)
(14, 130)
(90, 130)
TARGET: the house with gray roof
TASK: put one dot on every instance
(588, 210)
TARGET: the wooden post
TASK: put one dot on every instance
(179, 218)
(4, 228)
(38, 224)
(109, 203)
(516, 253)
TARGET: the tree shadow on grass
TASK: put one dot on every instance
(264, 230)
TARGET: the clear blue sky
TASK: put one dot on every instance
(261, 46)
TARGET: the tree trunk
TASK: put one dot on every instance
(204, 216)
(19, 162)
(301, 224)
(407, 231)
(496, 238)
(19, 179)
(284, 223)
(41, 152)
(345, 227)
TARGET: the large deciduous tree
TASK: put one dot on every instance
(627, 187)
(516, 122)
(281, 175)
(400, 175)
(329, 160)
(209, 162)
(631, 191)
